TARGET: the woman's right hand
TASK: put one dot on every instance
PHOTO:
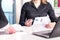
(28, 23)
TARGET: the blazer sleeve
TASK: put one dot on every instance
(22, 16)
(52, 14)
(3, 20)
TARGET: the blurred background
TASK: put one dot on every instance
(12, 9)
(9, 8)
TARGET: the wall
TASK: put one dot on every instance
(51, 2)
(25, 1)
(56, 9)
(18, 9)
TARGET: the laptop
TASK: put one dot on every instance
(50, 34)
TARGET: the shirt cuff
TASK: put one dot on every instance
(18, 27)
(5, 27)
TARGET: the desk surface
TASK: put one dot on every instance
(24, 36)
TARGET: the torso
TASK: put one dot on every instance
(32, 11)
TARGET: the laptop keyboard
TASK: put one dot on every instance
(47, 34)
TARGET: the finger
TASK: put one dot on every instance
(47, 26)
(28, 24)
(30, 20)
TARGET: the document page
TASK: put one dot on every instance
(39, 23)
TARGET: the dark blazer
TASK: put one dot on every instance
(3, 20)
(29, 11)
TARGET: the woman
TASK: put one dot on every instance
(37, 8)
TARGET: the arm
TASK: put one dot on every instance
(52, 14)
(52, 17)
(23, 16)
(3, 20)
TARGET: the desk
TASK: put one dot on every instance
(26, 35)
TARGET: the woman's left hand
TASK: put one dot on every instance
(50, 25)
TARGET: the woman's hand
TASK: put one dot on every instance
(50, 25)
(10, 30)
(28, 23)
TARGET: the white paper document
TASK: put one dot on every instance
(40, 22)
